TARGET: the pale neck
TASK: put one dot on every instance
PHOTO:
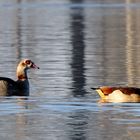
(21, 73)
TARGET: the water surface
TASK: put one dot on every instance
(77, 45)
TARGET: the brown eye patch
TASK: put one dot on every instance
(28, 62)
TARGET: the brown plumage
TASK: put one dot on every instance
(119, 94)
(9, 87)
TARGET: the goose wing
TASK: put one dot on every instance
(7, 86)
(126, 90)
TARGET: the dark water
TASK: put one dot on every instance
(78, 44)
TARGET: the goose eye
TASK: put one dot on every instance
(27, 62)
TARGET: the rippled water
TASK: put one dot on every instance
(77, 44)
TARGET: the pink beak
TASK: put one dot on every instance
(34, 66)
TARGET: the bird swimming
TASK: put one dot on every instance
(20, 87)
(118, 94)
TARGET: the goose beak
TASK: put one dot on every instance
(34, 66)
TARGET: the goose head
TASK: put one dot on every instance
(23, 66)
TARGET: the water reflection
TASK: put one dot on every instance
(21, 118)
(118, 113)
(16, 31)
(21, 122)
(78, 48)
(18, 42)
(97, 57)
(131, 44)
(78, 125)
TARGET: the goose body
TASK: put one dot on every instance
(20, 87)
(118, 94)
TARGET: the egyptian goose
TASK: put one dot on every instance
(9, 87)
(118, 94)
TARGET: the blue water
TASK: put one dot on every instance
(77, 45)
